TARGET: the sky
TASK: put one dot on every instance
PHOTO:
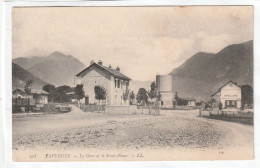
(142, 41)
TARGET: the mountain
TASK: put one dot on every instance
(202, 74)
(56, 68)
(20, 76)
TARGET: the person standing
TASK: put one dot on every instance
(220, 107)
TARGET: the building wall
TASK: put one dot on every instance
(41, 99)
(117, 92)
(93, 78)
(231, 92)
(164, 83)
(96, 76)
(166, 99)
(191, 103)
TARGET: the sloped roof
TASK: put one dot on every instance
(215, 93)
(33, 91)
(225, 85)
(107, 70)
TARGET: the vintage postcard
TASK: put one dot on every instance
(158, 83)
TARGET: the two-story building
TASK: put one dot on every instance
(96, 74)
(229, 95)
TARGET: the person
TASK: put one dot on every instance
(220, 106)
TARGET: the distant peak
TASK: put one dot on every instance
(57, 53)
(203, 53)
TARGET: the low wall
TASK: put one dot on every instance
(130, 110)
(119, 110)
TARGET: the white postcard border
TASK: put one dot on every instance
(6, 86)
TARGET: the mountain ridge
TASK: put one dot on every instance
(20, 76)
(234, 62)
(56, 68)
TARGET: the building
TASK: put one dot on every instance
(229, 95)
(191, 102)
(37, 96)
(111, 79)
(164, 83)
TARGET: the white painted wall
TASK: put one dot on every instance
(165, 82)
(167, 99)
(231, 92)
(97, 77)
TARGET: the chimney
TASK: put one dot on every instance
(92, 62)
(109, 66)
(100, 62)
(118, 69)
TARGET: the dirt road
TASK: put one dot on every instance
(181, 130)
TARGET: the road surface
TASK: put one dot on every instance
(172, 130)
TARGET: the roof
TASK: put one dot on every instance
(107, 70)
(225, 85)
(215, 93)
(33, 91)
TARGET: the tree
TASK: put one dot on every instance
(50, 89)
(132, 97)
(28, 89)
(28, 86)
(126, 95)
(100, 93)
(212, 103)
(60, 94)
(154, 92)
(141, 96)
(79, 92)
(159, 97)
(246, 95)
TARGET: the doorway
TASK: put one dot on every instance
(86, 100)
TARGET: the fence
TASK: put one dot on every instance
(23, 102)
(234, 115)
(174, 107)
(149, 109)
(121, 110)
(153, 109)
(92, 108)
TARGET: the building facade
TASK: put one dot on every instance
(36, 96)
(112, 80)
(191, 102)
(164, 83)
(229, 95)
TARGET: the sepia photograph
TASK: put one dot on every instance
(140, 83)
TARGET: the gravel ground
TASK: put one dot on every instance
(158, 132)
(181, 130)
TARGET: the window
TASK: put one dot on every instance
(161, 102)
(118, 84)
(115, 83)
